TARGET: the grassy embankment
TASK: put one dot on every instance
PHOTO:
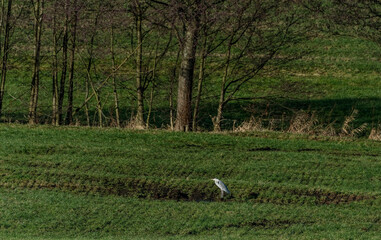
(87, 183)
(338, 75)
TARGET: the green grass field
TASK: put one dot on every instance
(89, 183)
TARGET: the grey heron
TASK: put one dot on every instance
(222, 186)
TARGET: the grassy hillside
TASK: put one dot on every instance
(88, 183)
(337, 75)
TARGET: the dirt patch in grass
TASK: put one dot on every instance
(268, 223)
(264, 149)
(174, 189)
(344, 154)
(353, 154)
(308, 150)
(255, 224)
(329, 197)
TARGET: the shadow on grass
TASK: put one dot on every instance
(327, 111)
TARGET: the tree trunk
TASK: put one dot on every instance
(172, 77)
(221, 102)
(199, 85)
(2, 16)
(55, 74)
(184, 91)
(5, 54)
(101, 84)
(69, 113)
(171, 117)
(95, 90)
(88, 69)
(87, 90)
(153, 86)
(139, 124)
(64, 63)
(116, 98)
(97, 98)
(38, 11)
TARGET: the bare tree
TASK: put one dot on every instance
(258, 31)
(231, 41)
(201, 75)
(74, 23)
(189, 14)
(55, 39)
(138, 11)
(89, 79)
(360, 18)
(38, 6)
(116, 98)
(172, 77)
(65, 40)
(214, 19)
(154, 68)
(115, 20)
(91, 32)
(5, 49)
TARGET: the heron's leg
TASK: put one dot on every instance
(222, 194)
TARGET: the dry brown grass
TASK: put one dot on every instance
(375, 133)
(254, 124)
(133, 124)
(303, 122)
(348, 130)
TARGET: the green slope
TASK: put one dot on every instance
(88, 183)
(337, 75)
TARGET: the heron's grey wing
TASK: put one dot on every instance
(224, 187)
